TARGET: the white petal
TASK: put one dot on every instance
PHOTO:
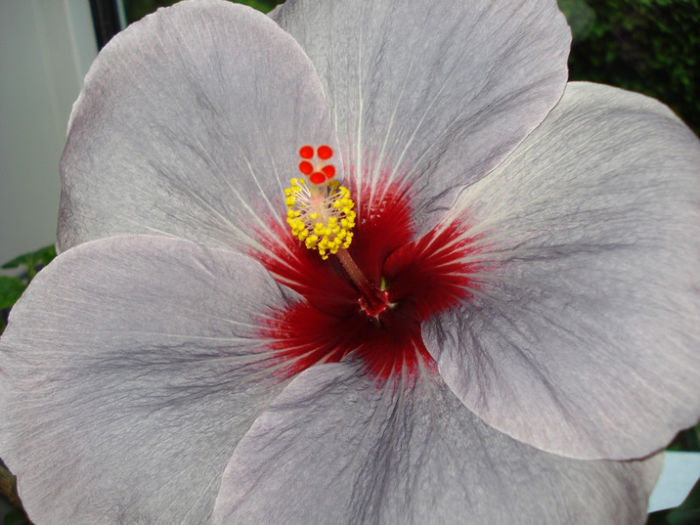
(131, 367)
(189, 125)
(582, 337)
(336, 448)
(431, 94)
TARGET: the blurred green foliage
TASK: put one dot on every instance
(649, 46)
(136, 9)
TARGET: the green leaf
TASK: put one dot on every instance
(21, 260)
(136, 9)
(261, 5)
(32, 261)
(42, 256)
(10, 290)
(46, 254)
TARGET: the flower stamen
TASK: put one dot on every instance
(320, 214)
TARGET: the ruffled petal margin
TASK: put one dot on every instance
(335, 447)
(582, 334)
(189, 125)
(429, 96)
(130, 368)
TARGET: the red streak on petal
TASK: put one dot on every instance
(427, 275)
(423, 277)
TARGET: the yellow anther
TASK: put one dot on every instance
(321, 216)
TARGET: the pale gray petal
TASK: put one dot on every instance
(334, 447)
(582, 335)
(189, 125)
(431, 94)
(130, 368)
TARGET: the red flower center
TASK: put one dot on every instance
(406, 282)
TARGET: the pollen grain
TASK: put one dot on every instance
(321, 216)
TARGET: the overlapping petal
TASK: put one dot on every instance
(188, 125)
(334, 447)
(582, 336)
(134, 364)
(130, 369)
(431, 94)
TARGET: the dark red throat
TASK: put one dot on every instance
(407, 282)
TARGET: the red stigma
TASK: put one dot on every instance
(306, 167)
(317, 177)
(324, 152)
(328, 171)
(306, 152)
(321, 171)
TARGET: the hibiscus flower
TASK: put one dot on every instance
(476, 301)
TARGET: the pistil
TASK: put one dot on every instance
(373, 300)
(320, 214)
